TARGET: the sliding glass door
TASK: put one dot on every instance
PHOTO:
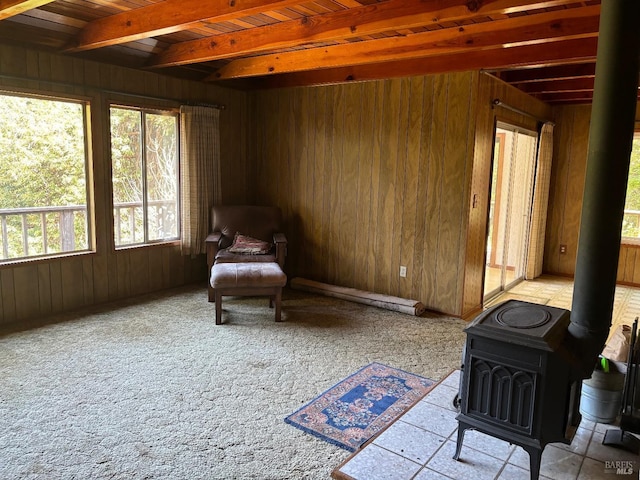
(510, 208)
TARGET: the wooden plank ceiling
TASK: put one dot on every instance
(546, 48)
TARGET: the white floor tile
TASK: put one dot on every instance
(587, 424)
(410, 441)
(442, 396)
(452, 380)
(604, 453)
(511, 472)
(593, 470)
(375, 463)
(556, 463)
(603, 427)
(428, 474)
(471, 465)
(432, 418)
(487, 444)
(579, 444)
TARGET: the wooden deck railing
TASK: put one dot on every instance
(25, 232)
(36, 231)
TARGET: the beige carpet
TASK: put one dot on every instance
(153, 389)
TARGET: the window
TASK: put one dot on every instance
(43, 176)
(144, 157)
(631, 221)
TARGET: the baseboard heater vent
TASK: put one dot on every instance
(388, 302)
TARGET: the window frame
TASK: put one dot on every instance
(632, 241)
(144, 110)
(85, 103)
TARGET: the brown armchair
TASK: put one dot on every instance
(262, 223)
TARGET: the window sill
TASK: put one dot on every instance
(168, 243)
(17, 262)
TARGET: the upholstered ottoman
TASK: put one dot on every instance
(247, 279)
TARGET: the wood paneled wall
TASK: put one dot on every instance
(372, 176)
(31, 290)
(489, 88)
(571, 138)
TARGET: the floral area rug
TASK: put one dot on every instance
(357, 408)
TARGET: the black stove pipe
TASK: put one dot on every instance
(610, 138)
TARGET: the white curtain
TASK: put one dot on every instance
(535, 254)
(200, 171)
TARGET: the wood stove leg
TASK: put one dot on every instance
(461, 429)
(535, 457)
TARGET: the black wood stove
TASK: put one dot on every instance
(517, 381)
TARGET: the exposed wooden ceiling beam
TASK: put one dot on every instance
(527, 75)
(555, 86)
(359, 21)
(544, 55)
(166, 17)
(569, 97)
(530, 29)
(566, 97)
(10, 8)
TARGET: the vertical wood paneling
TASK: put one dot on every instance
(71, 283)
(400, 193)
(558, 187)
(571, 140)
(100, 278)
(266, 130)
(25, 283)
(139, 260)
(123, 267)
(57, 292)
(634, 278)
(386, 192)
(177, 266)
(349, 177)
(87, 280)
(364, 174)
(287, 174)
(316, 247)
(622, 260)
(44, 290)
(570, 204)
(376, 139)
(629, 265)
(385, 185)
(411, 175)
(335, 183)
(2, 313)
(453, 206)
(51, 286)
(301, 117)
(434, 190)
(8, 295)
(422, 194)
(155, 269)
(576, 171)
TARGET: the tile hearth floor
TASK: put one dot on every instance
(421, 443)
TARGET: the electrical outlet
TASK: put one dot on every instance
(403, 271)
(563, 249)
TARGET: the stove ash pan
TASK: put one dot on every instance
(517, 383)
